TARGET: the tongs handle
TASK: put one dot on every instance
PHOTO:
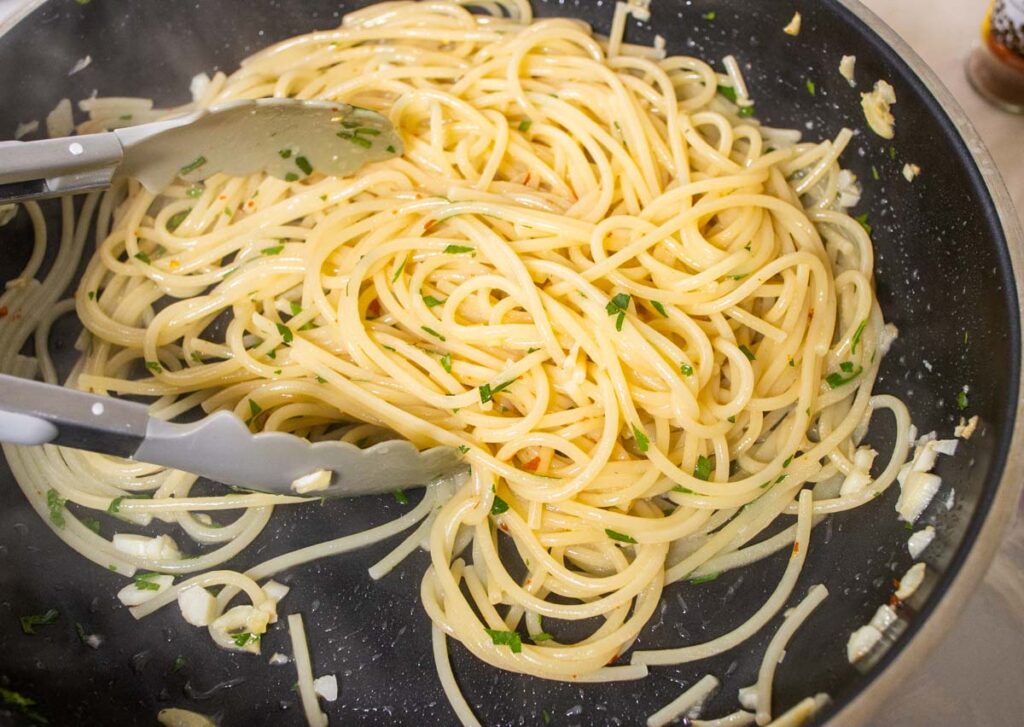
(54, 167)
(32, 412)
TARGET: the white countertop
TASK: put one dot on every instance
(973, 678)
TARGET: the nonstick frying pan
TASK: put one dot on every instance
(947, 246)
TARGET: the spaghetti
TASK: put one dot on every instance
(645, 318)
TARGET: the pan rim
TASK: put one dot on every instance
(992, 517)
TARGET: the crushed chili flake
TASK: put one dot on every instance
(3, 311)
(532, 465)
(374, 307)
(796, 548)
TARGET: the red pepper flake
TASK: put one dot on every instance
(614, 660)
(526, 179)
(3, 311)
(532, 465)
(896, 583)
(374, 308)
(428, 224)
(796, 548)
(503, 527)
(895, 601)
(222, 197)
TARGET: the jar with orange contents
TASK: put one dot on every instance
(996, 67)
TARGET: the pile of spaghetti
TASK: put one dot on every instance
(646, 319)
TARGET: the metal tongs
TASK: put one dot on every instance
(286, 138)
(219, 447)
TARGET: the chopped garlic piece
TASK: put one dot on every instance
(849, 189)
(278, 659)
(747, 697)
(198, 606)
(964, 430)
(884, 617)
(82, 64)
(60, 122)
(889, 334)
(794, 25)
(876, 105)
(910, 171)
(910, 581)
(846, 66)
(183, 718)
(918, 489)
(326, 687)
(7, 213)
(861, 642)
(313, 482)
(162, 547)
(275, 591)
(920, 540)
(640, 9)
(133, 595)
(25, 128)
(198, 86)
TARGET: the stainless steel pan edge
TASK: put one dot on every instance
(1002, 511)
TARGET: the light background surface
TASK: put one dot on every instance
(974, 677)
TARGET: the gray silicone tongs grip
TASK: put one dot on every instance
(32, 412)
(54, 167)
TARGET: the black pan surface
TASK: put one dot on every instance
(944, 278)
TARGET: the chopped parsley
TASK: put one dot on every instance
(546, 716)
(432, 332)
(729, 92)
(285, 153)
(463, 449)
(892, 152)
(286, 332)
(291, 177)
(710, 16)
(541, 636)
(686, 369)
(143, 257)
(702, 470)
(294, 307)
(874, 173)
(29, 623)
(961, 400)
(394, 278)
(401, 497)
(498, 506)
(704, 579)
(863, 220)
(618, 306)
(432, 302)
(525, 125)
(303, 164)
(91, 523)
(275, 250)
(621, 537)
(660, 308)
(144, 581)
(642, 442)
(193, 165)
(176, 219)
(254, 410)
(245, 638)
(856, 336)
(506, 638)
(55, 503)
(154, 366)
(836, 379)
(731, 420)
(788, 461)
(747, 352)
(446, 362)
(179, 664)
(391, 149)
(811, 88)
(746, 112)
(459, 249)
(9, 697)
